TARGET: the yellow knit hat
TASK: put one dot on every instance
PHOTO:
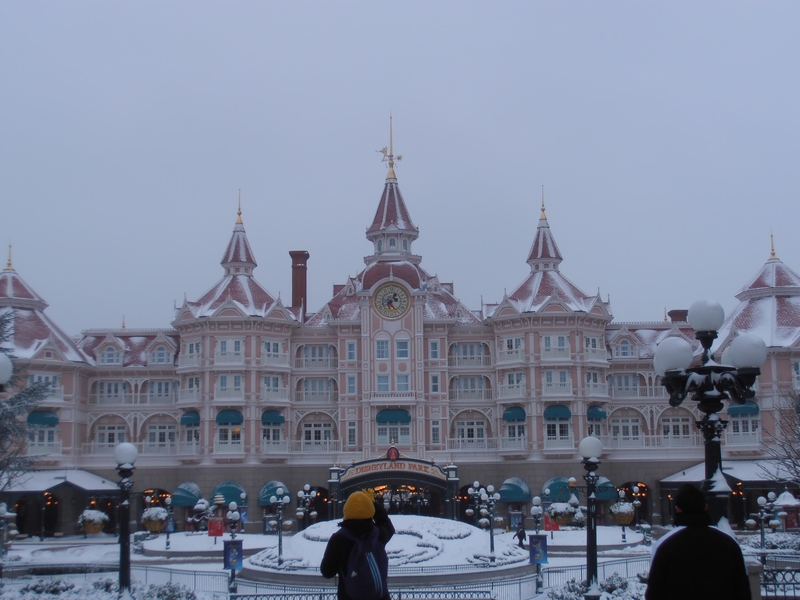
(358, 506)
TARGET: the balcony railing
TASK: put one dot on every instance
(636, 391)
(55, 394)
(391, 395)
(557, 389)
(43, 448)
(327, 362)
(274, 394)
(596, 389)
(470, 394)
(517, 443)
(274, 358)
(169, 448)
(99, 449)
(316, 446)
(796, 381)
(187, 448)
(555, 353)
(230, 393)
(228, 447)
(189, 395)
(111, 399)
(189, 360)
(470, 361)
(274, 447)
(471, 443)
(595, 354)
(169, 398)
(313, 396)
(613, 442)
(229, 358)
(504, 356)
(751, 438)
(516, 390)
(556, 443)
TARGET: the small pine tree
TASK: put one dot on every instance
(14, 409)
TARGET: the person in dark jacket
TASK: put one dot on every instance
(697, 561)
(361, 515)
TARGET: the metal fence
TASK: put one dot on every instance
(395, 595)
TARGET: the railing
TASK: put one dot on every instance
(555, 353)
(391, 395)
(98, 449)
(189, 448)
(595, 354)
(229, 447)
(596, 389)
(169, 448)
(327, 362)
(189, 360)
(313, 396)
(111, 399)
(230, 393)
(636, 391)
(557, 443)
(55, 394)
(470, 361)
(274, 358)
(229, 358)
(43, 448)
(752, 438)
(519, 443)
(316, 446)
(516, 390)
(189, 395)
(510, 355)
(169, 398)
(557, 389)
(458, 394)
(471, 443)
(273, 447)
(274, 394)
(651, 441)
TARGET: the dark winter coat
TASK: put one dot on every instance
(698, 562)
(337, 552)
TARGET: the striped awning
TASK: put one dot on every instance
(231, 491)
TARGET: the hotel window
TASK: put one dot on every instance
(436, 432)
(402, 348)
(434, 349)
(193, 383)
(513, 344)
(351, 384)
(271, 348)
(159, 356)
(595, 427)
(110, 435)
(383, 383)
(558, 429)
(624, 349)
(40, 378)
(193, 348)
(160, 389)
(399, 433)
(590, 343)
(193, 434)
(271, 433)
(382, 349)
(229, 433)
(230, 382)
(352, 435)
(351, 350)
(161, 435)
(435, 384)
(471, 430)
(625, 429)
(109, 356)
(317, 432)
(402, 383)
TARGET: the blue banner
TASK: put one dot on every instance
(538, 548)
(233, 554)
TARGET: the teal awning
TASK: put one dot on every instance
(557, 411)
(230, 416)
(514, 489)
(268, 490)
(606, 490)
(190, 418)
(393, 415)
(272, 417)
(186, 494)
(595, 412)
(514, 413)
(735, 410)
(42, 417)
(559, 490)
(231, 491)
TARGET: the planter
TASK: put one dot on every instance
(93, 526)
(563, 519)
(622, 517)
(154, 526)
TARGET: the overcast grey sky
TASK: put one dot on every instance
(666, 135)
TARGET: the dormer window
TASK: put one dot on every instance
(109, 356)
(405, 245)
(237, 270)
(159, 356)
(392, 244)
(380, 246)
(624, 350)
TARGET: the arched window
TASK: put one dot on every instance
(405, 245)
(109, 356)
(392, 244)
(159, 356)
(380, 246)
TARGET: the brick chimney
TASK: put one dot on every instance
(299, 284)
(678, 315)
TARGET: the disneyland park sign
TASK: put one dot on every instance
(395, 467)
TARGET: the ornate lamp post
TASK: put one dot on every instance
(485, 500)
(233, 517)
(637, 504)
(710, 383)
(278, 502)
(590, 450)
(537, 512)
(475, 492)
(765, 515)
(170, 519)
(125, 456)
(305, 509)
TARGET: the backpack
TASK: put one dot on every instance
(367, 567)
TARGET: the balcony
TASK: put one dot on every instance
(274, 358)
(622, 442)
(327, 362)
(470, 394)
(751, 438)
(596, 389)
(505, 356)
(326, 396)
(169, 398)
(189, 395)
(189, 448)
(316, 446)
(55, 394)
(230, 393)
(517, 443)
(471, 444)
(274, 394)
(595, 354)
(470, 361)
(516, 390)
(44, 448)
(636, 391)
(228, 447)
(561, 388)
(99, 449)
(111, 399)
(274, 447)
(556, 353)
(559, 443)
(189, 360)
(392, 396)
(167, 448)
(229, 358)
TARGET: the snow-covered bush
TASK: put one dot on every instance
(621, 512)
(579, 519)
(615, 586)
(53, 587)
(167, 591)
(104, 589)
(773, 541)
(92, 521)
(155, 513)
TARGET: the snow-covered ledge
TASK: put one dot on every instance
(754, 570)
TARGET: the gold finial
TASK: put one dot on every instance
(772, 255)
(9, 266)
(388, 154)
(543, 216)
(239, 212)
(123, 321)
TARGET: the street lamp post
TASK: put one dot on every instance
(170, 519)
(305, 509)
(590, 450)
(766, 514)
(475, 491)
(125, 455)
(485, 500)
(537, 512)
(279, 501)
(637, 504)
(710, 383)
(233, 517)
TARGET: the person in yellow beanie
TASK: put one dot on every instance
(364, 522)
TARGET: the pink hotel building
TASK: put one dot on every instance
(240, 387)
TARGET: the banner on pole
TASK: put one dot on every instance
(233, 554)
(538, 548)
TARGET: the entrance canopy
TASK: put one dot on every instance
(231, 491)
(393, 415)
(42, 417)
(515, 489)
(186, 494)
(270, 489)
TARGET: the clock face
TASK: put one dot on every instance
(391, 301)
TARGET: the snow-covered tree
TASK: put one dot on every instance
(15, 404)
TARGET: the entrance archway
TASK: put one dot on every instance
(636, 490)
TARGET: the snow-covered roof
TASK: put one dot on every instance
(392, 212)
(743, 470)
(544, 247)
(41, 481)
(646, 336)
(133, 343)
(238, 250)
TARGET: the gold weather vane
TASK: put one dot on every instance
(388, 154)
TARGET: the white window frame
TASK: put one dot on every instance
(402, 347)
(382, 383)
(382, 349)
(433, 349)
(402, 383)
(399, 433)
(435, 384)
(351, 349)
(436, 431)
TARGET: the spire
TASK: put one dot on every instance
(9, 266)
(544, 254)
(238, 258)
(772, 255)
(388, 156)
(239, 212)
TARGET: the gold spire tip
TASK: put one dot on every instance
(239, 212)
(9, 266)
(388, 153)
(543, 215)
(772, 255)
